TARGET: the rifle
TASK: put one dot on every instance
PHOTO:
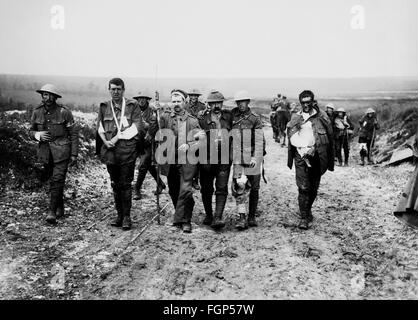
(155, 162)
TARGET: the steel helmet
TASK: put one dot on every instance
(341, 110)
(50, 88)
(330, 105)
(194, 92)
(242, 95)
(143, 94)
(370, 110)
(215, 96)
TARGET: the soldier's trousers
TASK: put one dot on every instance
(220, 174)
(121, 177)
(145, 165)
(342, 143)
(307, 181)
(56, 172)
(180, 189)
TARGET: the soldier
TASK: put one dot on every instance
(217, 122)
(150, 127)
(368, 127)
(311, 147)
(193, 107)
(285, 103)
(186, 130)
(246, 172)
(274, 106)
(119, 125)
(53, 126)
(330, 108)
(342, 128)
(282, 118)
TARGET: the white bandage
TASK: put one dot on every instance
(38, 136)
(129, 133)
(101, 129)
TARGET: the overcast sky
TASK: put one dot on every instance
(216, 38)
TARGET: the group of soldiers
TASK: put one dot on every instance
(132, 128)
(343, 128)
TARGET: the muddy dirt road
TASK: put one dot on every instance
(356, 249)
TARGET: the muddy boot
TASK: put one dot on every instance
(117, 222)
(253, 203)
(218, 222)
(161, 186)
(207, 204)
(187, 227)
(303, 200)
(53, 205)
(60, 208)
(126, 208)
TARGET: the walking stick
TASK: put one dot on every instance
(157, 166)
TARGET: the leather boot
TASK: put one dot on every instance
(218, 222)
(60, 208)
(126, 208)
(52, 218)
(304, 211)
(252, 210)
(242, 222)
(117, 222)
(161, 186)
(207, 204)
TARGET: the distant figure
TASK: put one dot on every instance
(54, 127)
(342, 126)
(367, 135)
(311, 148)
(295, 108)
(282, 118)
(285, 103)
(272, 116)
(330, 110)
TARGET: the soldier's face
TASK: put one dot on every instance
(243, 105)
(341, 114)
(143, 102)
(116, 92)
(48, 98)
(330, 111)
(193, 98)
(370, 115)
(178, 103)
(216, 106)
(306, 104)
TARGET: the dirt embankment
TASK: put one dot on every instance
(356, 249)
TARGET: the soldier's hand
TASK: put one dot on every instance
(184, 147)
(45, 136)
(253, 162)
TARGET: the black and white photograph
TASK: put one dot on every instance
(208, 150)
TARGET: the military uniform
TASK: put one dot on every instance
(217, 143)
(310, 169)
(281, 119)
(120, 160)
(194, 109)
(180, 176)
(55, 154)
(240, 122)
(145, 148)
(342, 138)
